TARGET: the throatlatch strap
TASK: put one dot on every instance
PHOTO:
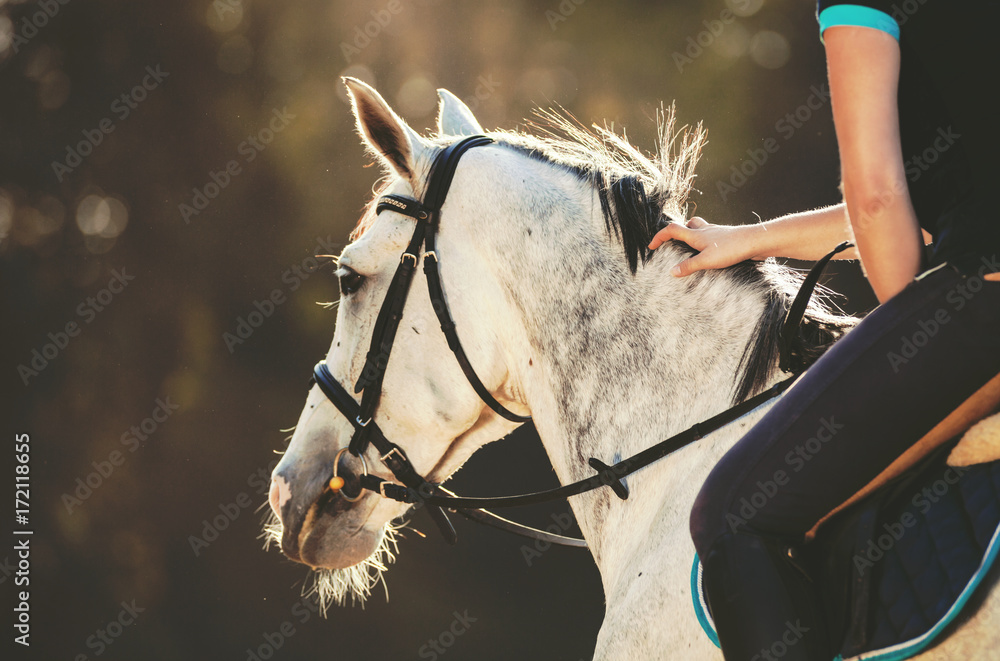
(448, 328)
(789, 360)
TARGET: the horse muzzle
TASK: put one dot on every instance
(322, 527)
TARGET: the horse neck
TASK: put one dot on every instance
(610, 363)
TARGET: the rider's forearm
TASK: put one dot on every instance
(807, 235)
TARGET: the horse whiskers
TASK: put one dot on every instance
(333, 586)
(272, 529)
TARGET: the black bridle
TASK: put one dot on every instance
(414, 488)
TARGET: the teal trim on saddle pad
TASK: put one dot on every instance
(898, 652)
(920, 643)
(700, 607)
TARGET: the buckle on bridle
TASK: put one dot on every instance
(361, 424)
(396, 451)
(402, 258)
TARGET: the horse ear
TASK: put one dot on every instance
(454, 117)
(385, 134)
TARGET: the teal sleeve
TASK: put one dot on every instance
(857, 15)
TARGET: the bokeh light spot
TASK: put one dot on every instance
(734, 42)
(224, 15)
(53, 90)
(99, 216)
(40, 62)
(119, 217)
(417, 97)
(770, 49)
(32, 225)
(6, 33)
(6, 214)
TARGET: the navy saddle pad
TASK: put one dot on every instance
(898, 567)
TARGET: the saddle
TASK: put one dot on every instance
(900, 560)
(975, 418)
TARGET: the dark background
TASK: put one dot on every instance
(231, 65)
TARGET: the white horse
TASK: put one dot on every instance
(567, 317)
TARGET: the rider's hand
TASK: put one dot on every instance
(719, 246)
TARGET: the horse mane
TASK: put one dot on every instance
(640, 194)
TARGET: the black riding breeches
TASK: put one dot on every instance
(876, 392)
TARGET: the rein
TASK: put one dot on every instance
(412, 487)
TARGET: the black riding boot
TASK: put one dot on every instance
(763, 606)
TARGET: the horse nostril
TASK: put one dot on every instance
(278, 495)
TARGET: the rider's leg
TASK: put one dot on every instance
(872, 395)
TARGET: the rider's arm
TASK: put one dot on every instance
(863, 60)
(863, 67)
(807, 235)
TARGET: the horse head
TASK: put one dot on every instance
(427, 405)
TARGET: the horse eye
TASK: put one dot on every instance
(350, 280)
